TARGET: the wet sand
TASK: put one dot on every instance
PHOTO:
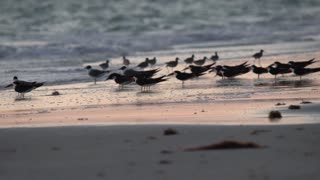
(98, 132)
(143, 152)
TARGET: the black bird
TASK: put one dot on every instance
(144, 74)
(301, 64)
(200, 62)
(105, 65)
(199, 70)
(172, 64)
(229, 73)
(121, 79)
(215, 57)
(259, 70)
(144, 64)
(258, 55)
(300, 71)
(281, 65)
(182, 76)
(189, 60)
(95, 73)
(153, 61)
(125, 61)
(275, 70)
(22, 87)
(146, 83)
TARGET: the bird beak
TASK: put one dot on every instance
(9, 85)
(185, 68)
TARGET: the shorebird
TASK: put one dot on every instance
(301, 64)
(215, 57)
(200, 62)
(301, 71)
(22, 87)
(95, 73)
(258, 55)
(104, 65)
(152, 61)
(132, 72)
(143, 64)
(199, 70)
(276, 70)
(172, 64)
(182, 76)
(146, 83)
(120, 79)
(189, 60)
(259, 70)
(229, 73)
(125, 61)
(281, 65)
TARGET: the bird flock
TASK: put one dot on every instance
(194, 68)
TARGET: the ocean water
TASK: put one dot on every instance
(52, 41)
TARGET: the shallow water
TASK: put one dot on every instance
(52, 40)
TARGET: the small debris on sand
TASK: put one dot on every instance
(169, 132)
(280, 104)
(82, 119)
(166, 152)
(275, 115)
(258, 131)
(227, 145)
(306, 102)
(152, 138)
(55, 93)
(164, 162)
(292, 107)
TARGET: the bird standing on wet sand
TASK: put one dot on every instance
(182, 76)
(259, 70)
(276, 70)
(22, 87)
(131, 72)
(104, 65)
(200, 62)
(152, 61)
(125, 61)
(301, 64)
(95, 73)
(172, 64)
(143, 64)
(146, 83)
(199, 70)
(301, 71)
(120, 79)
(258, 55)
(189, 60)
(215, 57)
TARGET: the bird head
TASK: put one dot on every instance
(88, 67)
(15, 78)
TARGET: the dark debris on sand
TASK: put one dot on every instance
(170, 132)
(275, 115)
(293, 107)
(227, 145)
(280, 104)
(55, 93)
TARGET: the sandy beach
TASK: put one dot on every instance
(143, 152)
(100, 132)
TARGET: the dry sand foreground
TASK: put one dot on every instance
(143, 152)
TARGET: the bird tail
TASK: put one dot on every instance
(316, 70)
(36, 85)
